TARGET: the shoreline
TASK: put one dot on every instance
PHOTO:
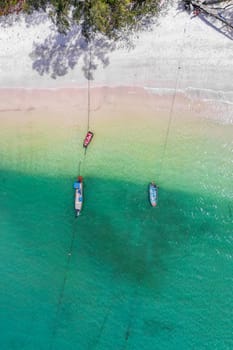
(69, 98)
(189, 91)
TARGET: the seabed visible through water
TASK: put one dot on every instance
(124, 275)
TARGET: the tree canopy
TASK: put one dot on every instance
(108, 17)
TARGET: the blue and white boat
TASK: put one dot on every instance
(78, 201)
(153, 194)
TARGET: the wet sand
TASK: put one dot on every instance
(42, 130)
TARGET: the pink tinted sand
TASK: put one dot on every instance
(70, 103)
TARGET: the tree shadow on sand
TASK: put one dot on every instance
(61, 52)
(214, 23)
(224, 12)
(30, 20)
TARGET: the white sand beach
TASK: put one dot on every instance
(179, 51)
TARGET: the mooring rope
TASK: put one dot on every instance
(89, 88)
(132, 312)
(133, 304)
(81, 165)
(102, 327)
(62, 289)
(170, 115)
(88, 91)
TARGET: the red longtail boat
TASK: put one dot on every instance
(88, 139)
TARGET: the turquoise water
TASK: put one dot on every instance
(124, 275)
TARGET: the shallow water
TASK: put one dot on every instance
(124, 275)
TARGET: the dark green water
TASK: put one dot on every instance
(124, 275)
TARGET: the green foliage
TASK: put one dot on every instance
(10, 6)
(108, 17)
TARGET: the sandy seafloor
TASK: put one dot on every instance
(124, 275)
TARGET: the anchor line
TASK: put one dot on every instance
(133, 303)
(73, 235)
(89, 89)
(132, 308)
(101, 328)
(170, 115)
(62, 289)
(88, 94)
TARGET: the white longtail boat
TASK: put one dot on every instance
(78, 201)
(153, 194)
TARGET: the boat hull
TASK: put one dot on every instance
(153, 194)
(88, 139)
(78, 200)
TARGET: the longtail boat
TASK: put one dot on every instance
(88, 139)
(78, 201)
(153, 194)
